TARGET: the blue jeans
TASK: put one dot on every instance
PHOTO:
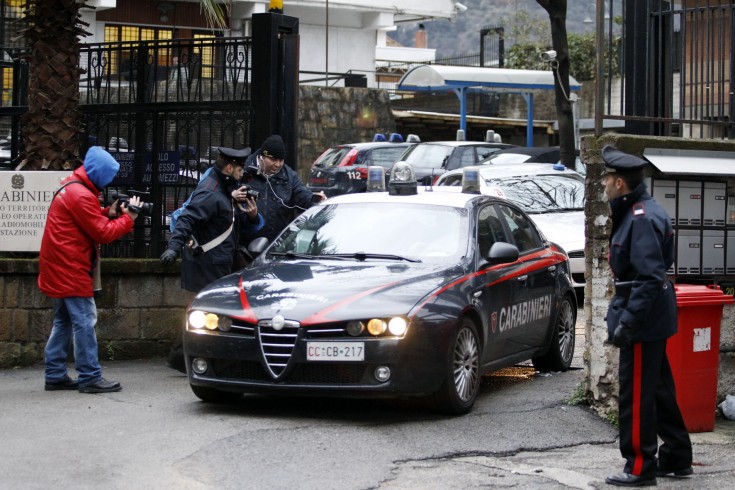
(73, 317)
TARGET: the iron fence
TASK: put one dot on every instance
(162, 108)
(677, 70)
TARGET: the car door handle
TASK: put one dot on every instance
(522, 278)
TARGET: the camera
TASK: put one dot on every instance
(549, 55)
(249, 191)
(145, 208)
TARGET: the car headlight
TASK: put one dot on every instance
(376, 326)
(355, 328)
(397, 326)
(197, 319)
(210, 321)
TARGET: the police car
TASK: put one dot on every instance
(386, 294)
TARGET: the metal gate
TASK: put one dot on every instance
(162, 108)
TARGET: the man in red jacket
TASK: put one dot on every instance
(75, 226)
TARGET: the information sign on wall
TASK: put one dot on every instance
(24, 201)
(168, 168)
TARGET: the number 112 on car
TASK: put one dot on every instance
(335, 351)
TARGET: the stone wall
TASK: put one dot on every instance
(330, 116)
(601, 360)
(139, 311)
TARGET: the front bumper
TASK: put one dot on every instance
(237, 363)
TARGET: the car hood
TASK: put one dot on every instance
(565, 229)
(313, 292)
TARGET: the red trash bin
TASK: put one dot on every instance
(694, 353)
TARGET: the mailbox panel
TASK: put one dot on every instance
(713, 252)
(664, 191)
(689, 243)
(690, 204)
(715, 203)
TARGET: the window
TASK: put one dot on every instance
(489, 229)
(524, 234)
(122, 61)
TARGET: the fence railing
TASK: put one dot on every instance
(677, 70)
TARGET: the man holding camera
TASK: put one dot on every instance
(282, 194)
(68, 263)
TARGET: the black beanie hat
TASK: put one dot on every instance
(273, 147)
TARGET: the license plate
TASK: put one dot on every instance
(335, 351)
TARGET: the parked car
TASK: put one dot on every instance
(552, 195)
(525, 154)
(431, 159)
(534, 154)
(343, 169)
(375, 295)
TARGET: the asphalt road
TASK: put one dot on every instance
(156, 434)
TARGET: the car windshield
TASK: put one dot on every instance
(385, 156)
(417, 232)
(506, 158)
(542, 193)
(428, 156)
(332, 156)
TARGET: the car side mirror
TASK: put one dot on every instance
(257, 246)
(502, 253)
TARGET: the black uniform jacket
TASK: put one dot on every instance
(282, 197)
(208, 215)
(641, 251)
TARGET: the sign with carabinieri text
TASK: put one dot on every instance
(24, 201)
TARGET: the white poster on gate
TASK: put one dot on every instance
(24, 200)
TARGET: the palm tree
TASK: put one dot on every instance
(53, 124)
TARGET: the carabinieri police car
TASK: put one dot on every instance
(399, 293)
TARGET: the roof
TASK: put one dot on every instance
(501, 170)
(445, 77)
(439, 198)
(691, 162)
(462, 79)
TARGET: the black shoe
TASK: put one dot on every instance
(61, 384)
(674, 472)
(628, 480)
(101, 386)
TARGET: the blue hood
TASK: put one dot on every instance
(100, 166)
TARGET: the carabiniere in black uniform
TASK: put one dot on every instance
(641, 317)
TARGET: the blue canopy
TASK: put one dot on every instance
(461, 79)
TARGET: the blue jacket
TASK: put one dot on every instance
(641, 252)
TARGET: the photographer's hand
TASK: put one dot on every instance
(134, 201)
(114, 209)
(240, 194)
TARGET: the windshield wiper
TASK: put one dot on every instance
(292, 255)
(363, 256)
(295, 255)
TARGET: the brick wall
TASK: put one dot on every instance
(139, 311)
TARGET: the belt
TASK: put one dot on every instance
(622, 288)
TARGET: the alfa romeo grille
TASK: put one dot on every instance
(277, 345)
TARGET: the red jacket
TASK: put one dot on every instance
(75, 225)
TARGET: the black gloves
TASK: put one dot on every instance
(169, 257)
(621, 336)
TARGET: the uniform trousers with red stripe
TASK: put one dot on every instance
(647, 409)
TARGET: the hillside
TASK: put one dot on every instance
(462, 35)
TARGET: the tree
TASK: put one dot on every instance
(557, 10)
(52, 127)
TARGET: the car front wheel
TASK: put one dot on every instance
(461, 384)
(561, 351)
(212, 395)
